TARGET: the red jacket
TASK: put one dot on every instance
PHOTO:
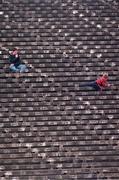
(102, 81)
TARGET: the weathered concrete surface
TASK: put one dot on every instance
(50, 128)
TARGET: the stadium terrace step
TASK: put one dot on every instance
(51, 128)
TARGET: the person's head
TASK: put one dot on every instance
(105, 75)
(15, 51)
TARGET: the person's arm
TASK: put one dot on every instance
(12, 59)
(16, 55)
(4, 48)
(103, 85)
(110, 85)
(9, 52)
(107, 84)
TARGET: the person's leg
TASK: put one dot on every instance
(22, 68)
(91, 84)
(13, 68)
(96, 86)
(87, 84)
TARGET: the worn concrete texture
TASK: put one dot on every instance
(50, 127)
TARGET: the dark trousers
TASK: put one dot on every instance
(93, 84)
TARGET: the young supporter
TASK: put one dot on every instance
(99, 84)
(15, 62)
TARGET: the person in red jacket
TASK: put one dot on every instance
(99, 84)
